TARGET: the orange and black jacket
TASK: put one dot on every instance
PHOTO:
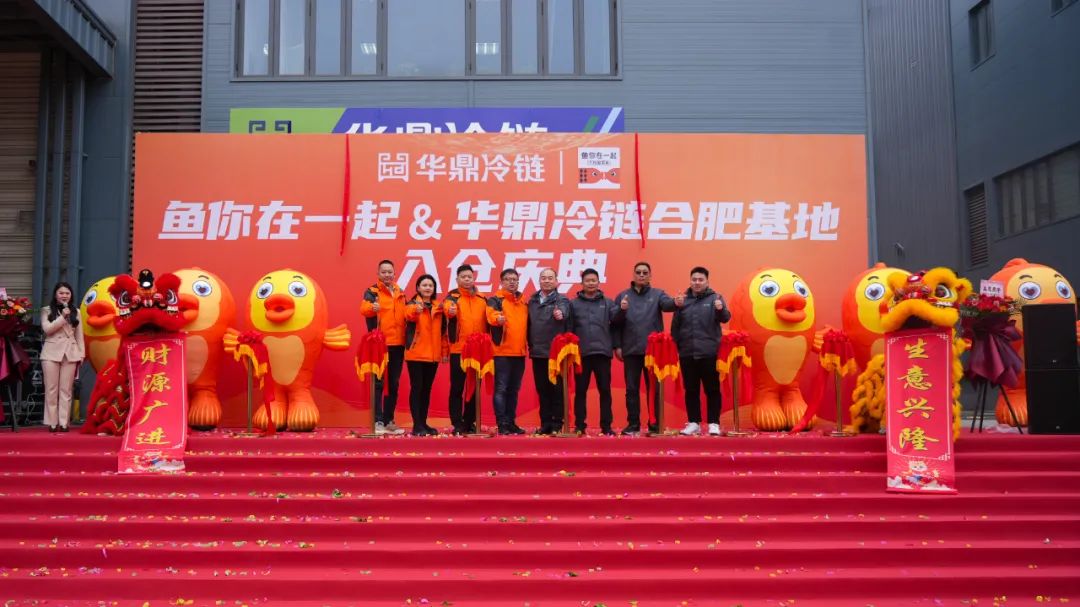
(509, 339)
(390, 319)
(425, 332)
(471, 317)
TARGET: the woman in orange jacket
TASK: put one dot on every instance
(425, 338)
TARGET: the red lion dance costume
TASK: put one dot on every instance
(144, 307)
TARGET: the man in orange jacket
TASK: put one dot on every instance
(383, 308)
(508, 316)
(466, 313)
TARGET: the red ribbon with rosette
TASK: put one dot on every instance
(251, 350)
(477, 361)
(734, 347)
(564, 348)
(837, 355)
(662, 360)
(372, 356)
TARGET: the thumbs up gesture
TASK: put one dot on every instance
(718, 304)
(557, 315)
(451, 311)
(679, 300)
(624, 304)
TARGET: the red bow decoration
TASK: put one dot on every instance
(372, 356)
(837, 355)
(565, 347)
(733, 347)
(662, 360)
(477, 361)
(596, 176)
(252, 351)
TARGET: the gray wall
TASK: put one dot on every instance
(1018, 106)
(758, 66)
(912, 133)
(107, 148)
(105, 235)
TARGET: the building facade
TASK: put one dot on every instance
(968, 106)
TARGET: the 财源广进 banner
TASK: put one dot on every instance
(242, 206)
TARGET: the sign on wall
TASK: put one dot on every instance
(359, 120)
(242, 206)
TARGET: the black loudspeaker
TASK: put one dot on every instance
(1049, 336)
(1053, 401)
(1053, 374)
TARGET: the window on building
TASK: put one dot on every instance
(426, 38)
(1058, 5)
(981, 21)
(1039, 193)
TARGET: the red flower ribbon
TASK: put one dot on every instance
(662, 360)
(734, 346)
(477, 360)
(372, 356)
(564, 348)
(837, 355)
(251, 349)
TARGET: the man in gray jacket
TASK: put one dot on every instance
(549, 315)
(593, 315)
(696, 330)
(640, 314)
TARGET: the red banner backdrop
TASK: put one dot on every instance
(156, 432)
(332, 206)
(918, 380)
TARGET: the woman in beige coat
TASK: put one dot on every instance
(61, 355)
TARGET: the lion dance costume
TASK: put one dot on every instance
(144, 307)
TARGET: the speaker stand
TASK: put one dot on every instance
(983, 390)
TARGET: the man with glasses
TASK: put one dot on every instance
(640, 313)
(508, 317)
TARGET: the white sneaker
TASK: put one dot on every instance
(380, 428)
(392, 428)
(714, 429)
(691, 429)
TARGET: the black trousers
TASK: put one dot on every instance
(462, 414)
(699, 372)
(421, 378)
(550, 395)
(509, 370)
(384, 406)
(633, 372)
(599, 366)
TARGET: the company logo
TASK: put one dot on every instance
(599, 168)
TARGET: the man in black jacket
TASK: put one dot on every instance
(640, 314)
(549, 315)
(696, 330)
(593, 315)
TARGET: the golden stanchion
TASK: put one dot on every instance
(250, 400)
(839, 431)
(738, 431)
(478, 432)
(564, 371)
(374, 411)
(661, 427)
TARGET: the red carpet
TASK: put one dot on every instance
(326, 519)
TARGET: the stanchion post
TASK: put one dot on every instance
(735, 389)
(565, 373)
(839, 431)
(659, 404)
(251, 394)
